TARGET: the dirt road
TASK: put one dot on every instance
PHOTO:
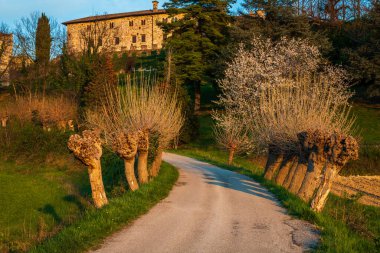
(213, 210)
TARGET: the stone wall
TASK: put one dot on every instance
(6, 48)
(136, 33)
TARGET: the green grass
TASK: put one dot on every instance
(96, 225)
(368, 124)
(346, 226)
(43, 189)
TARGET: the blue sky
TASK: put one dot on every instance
(64, 10)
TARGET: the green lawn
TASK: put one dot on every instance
(33, 205)
(96, 225)
(347, 226)
(368, 122)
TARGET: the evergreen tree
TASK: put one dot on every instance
(197, 40)
(281, 18)
(43, 41)
(43, 47)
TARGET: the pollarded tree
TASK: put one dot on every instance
(169, 124)
(130, 115)
(232, 133)
(88, 149)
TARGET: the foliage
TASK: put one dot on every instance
(43, 41)
(231, 133)
(103, 78)
(197, 39)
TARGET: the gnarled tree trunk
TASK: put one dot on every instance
(273, 163)
(156, 162)
(313, 142)
(339, 150)
(299, 175)
(142, 147)
(290, 175)
(129, 169)
(285, 167)
(88, 149)
(231, 154)
(323, 191)
(97, 186)
(125, 145)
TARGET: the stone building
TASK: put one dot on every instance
(6, 48)
(122, 32)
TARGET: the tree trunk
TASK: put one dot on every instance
(4, 122)
(142, 167)
(284, 169)
(289, 177)
(273, 163)
(156, 163)
(97, 188)
(231, 156)
(311, 180)
(129, 166)
(320, 198)
(197, 97)
(299, 175)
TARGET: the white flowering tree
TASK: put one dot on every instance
(297, 107)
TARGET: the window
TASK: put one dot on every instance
(112, 25)
(100, 42)
(88, 27)
(142, 37)
(117, 40)
(143, 22)
(164, 20)
(174, 19)
(134, 38)
(131, 23)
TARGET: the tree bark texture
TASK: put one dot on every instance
(339, 150)
(273, 163)
(129, 168)
(88, 149)
(323, 191)
(285, 167)
(142, 147)
(290, 175)
(97, 187)
(156, 165)
(314, 144)
(231, 154)
(299, 175)
(125, 145)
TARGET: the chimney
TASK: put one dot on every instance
(155, 5)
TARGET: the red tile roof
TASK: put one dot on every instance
(114, 16)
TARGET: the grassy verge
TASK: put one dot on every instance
(33, 206)
(43, 189)
(346, 226)
(95, 225)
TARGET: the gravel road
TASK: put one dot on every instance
(213, 210)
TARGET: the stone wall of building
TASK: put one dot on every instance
(6, 48)
(135, 33)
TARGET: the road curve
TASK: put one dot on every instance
(213, 210)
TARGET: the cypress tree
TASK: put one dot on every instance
(43, 41)
(43, 46)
